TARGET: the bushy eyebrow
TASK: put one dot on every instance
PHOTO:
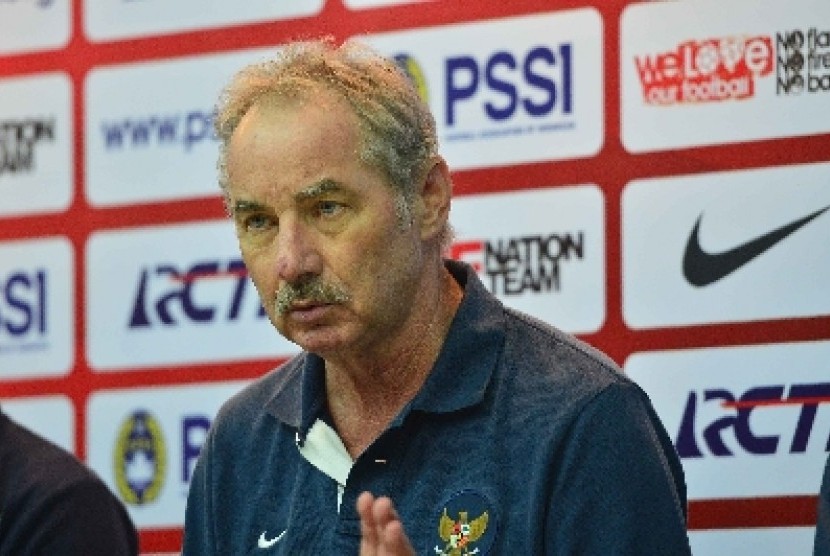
(317, 189)
(242, 206)
(313, 191)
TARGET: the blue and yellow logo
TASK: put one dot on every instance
(140, 459)
(413, 70)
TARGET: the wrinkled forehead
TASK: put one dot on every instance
(296, 94)
(303, 94)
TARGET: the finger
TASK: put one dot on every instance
(394, 540)
(368, 530)
(392, 537)
(364, 504)
(383, 511)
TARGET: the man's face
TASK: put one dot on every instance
(335, 267)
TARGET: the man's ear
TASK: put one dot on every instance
(434, 196)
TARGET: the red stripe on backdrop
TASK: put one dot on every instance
(777, 511)
(160, 541)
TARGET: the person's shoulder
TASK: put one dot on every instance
(558, 375)
(53, 504)
(538, 348)
(532, 331)
(26, 452)
(35, 468)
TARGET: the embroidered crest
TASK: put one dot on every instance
(465, 527)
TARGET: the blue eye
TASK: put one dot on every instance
(257, 222)
(329, 208)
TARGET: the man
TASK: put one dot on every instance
(51, 505)
(422, 416)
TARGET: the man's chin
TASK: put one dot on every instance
(321, 341)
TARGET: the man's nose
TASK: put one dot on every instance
(296, 254)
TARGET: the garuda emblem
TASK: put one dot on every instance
(460, 534)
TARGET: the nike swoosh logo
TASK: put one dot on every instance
(268, 543)
(701, 268)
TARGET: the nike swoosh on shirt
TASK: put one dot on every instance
(701, 268)
(268, 543)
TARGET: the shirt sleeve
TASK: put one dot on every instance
(619, 486)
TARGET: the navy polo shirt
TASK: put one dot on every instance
(522, 440)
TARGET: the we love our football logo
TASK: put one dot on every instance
(708, 70)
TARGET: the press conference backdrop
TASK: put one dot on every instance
(653, 177)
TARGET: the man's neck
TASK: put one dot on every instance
(367, 391)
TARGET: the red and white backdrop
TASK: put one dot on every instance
(653, 177)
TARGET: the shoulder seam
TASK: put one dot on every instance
(556, 335)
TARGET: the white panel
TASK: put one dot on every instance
(173, 294)
(541, 251)
(705, 73)
(148, 462)
(157, 145)
(513, 90)
(744, 271)
(36, 308)
(35, 144)
(779, 541)
(34, 25)
(117, 19)
(747, 421)
(52, 417)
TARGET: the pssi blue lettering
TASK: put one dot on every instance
(23, 304)
(545, 72)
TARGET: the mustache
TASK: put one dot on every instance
(314, 290)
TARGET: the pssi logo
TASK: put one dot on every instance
(695, 439)
(513, 266)
(186, 130)
(18, 139)
(537, 83)
(140, 459)
(412, 69)
(710, 70)
(23, 309)
(166, 295)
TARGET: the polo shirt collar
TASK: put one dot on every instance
(473, 346)
(459, 378)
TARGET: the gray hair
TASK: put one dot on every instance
(398, 135)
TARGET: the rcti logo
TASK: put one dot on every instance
(709, 70)
(537, 83)
(803, 61)
(140, 459)
(513, 266)
(23, 309)
(166, 294)
(186, 130)
(734, 413)
(18, 139)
